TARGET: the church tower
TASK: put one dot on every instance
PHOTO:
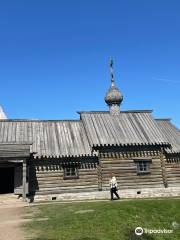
(2, 114)
(113, 97)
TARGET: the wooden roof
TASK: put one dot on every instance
(12, 150)
(75, 138)
(127, 128)
(48, 138)
(172, 134)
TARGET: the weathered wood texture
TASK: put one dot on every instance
(128, 128)
(163, 168)
(46, 177)
(11, 150)
(24, 178)
(125, 170)
(18, 179)
(173, 170)
(18, 176)
(50, 138)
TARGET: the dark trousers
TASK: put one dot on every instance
(114, 191)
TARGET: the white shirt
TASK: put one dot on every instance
(113, 182)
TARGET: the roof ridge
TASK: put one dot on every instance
(125, 111)
(79, 112)
(138, 111)
(163, 119)
(39, 120)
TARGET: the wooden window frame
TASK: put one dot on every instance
(71, 176)
(143, 166)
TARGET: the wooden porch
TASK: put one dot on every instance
(14, 168)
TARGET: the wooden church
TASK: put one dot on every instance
(56, 157)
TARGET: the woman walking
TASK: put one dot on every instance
(113, 186)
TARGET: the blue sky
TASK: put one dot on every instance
(54, 56)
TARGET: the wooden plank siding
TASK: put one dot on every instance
(125, 170)
(47, 177)
(173, 171)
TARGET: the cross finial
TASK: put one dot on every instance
(111, 70)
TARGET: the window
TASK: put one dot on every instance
(71, 172)
(143, 166)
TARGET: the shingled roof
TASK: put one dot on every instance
(127, 128)
(48, 138)
(76, 138)
(172, 134)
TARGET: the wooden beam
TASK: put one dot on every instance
(99, 173)
(163, 167)
(24, 179)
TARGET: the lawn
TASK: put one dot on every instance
(105, 220)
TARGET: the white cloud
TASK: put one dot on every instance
(165, 80)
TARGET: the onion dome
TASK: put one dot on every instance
(113, 96)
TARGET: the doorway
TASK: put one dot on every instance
(6, 180)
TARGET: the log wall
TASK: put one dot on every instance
(173, 171)
(125, 169)
(47, 177)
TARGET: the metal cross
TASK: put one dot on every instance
(111, 70)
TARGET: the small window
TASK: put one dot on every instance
(143, 166)
(71, 172)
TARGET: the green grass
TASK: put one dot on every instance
(105, 220)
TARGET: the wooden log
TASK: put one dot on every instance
(99, 174)
(163, 167)
(24, 179)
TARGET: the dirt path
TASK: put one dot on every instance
(12, 213)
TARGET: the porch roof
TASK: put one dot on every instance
(14, 150)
